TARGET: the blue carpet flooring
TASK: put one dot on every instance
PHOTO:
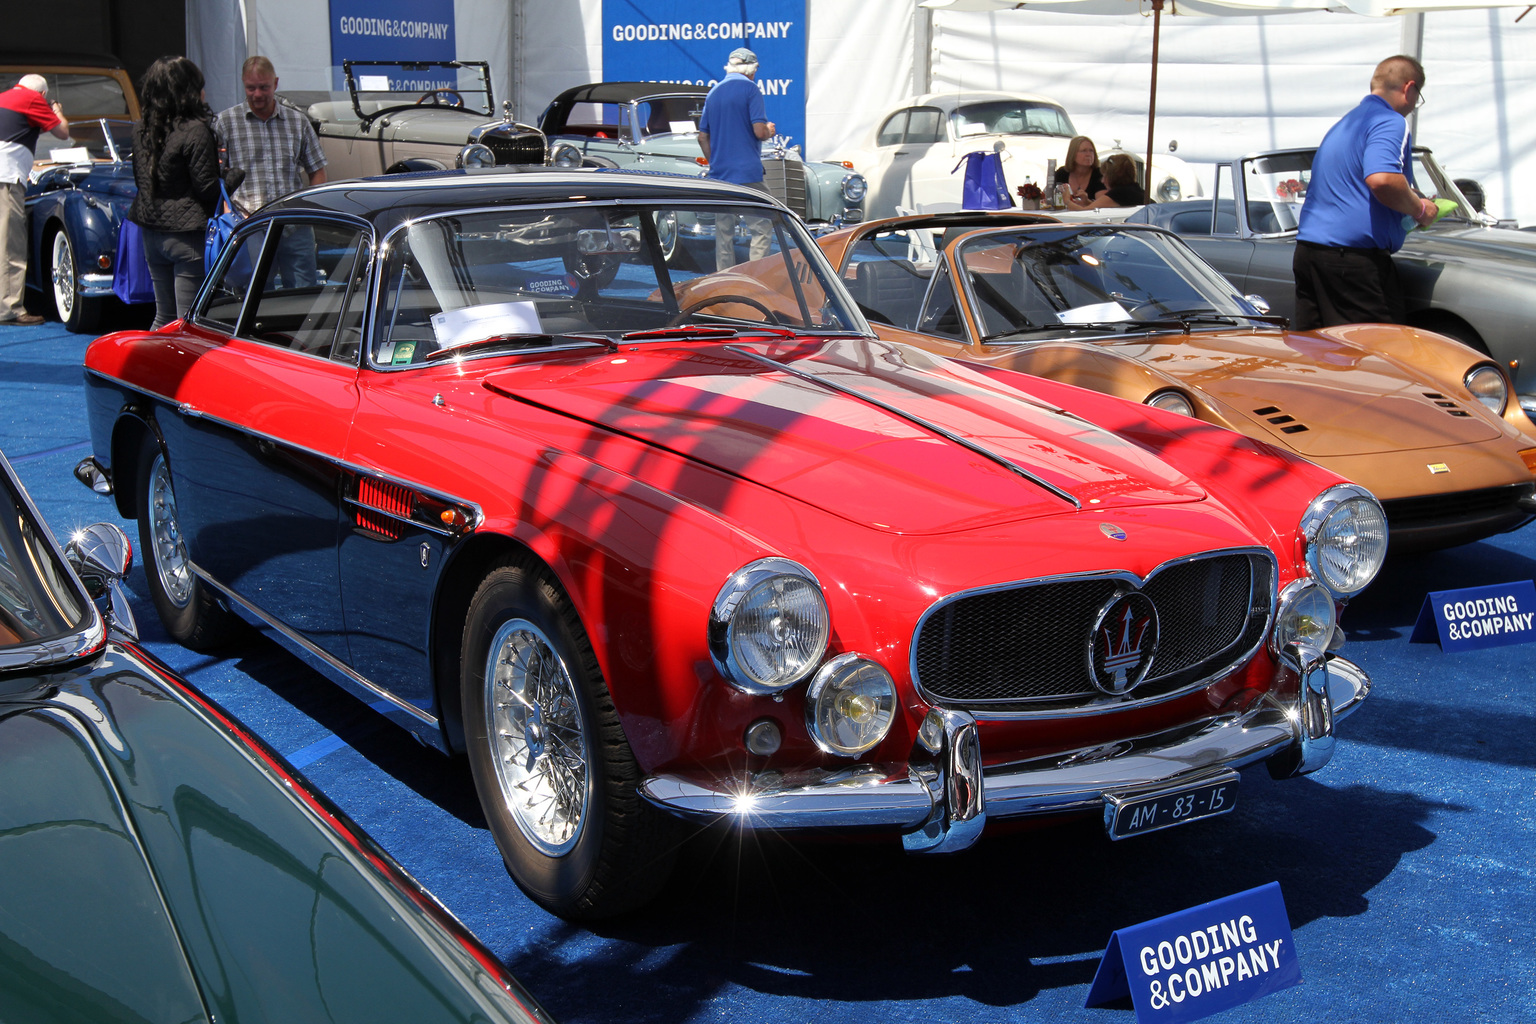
(1408, 865)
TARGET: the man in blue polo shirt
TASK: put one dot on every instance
(731, 134)
(1360, 191)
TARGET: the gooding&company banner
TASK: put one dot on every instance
(395, 30)
(689, 41)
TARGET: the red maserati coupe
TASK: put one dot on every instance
(653, 565)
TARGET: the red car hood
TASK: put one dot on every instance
(841, 426)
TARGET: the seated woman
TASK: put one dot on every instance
(1122, 187)
(1079, 177)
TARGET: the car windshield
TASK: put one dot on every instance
(377, 86)
(1276, 187)
(1434, 183)
(81, 95)
(1010, 117)
(1028, 283)
(39, 600)
(650, 115)
(579, 274)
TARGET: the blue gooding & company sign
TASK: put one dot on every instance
(1474, 617)
(1201, 961)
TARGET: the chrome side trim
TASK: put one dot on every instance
(903, 798)
(1137, 582)
(900, 413)
(318, 658)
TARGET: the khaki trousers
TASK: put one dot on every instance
(13, 249)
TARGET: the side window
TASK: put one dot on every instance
(927, 125)
(893, 129)
(225, 299)
(307, 281)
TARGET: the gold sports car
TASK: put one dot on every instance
(1424, 422)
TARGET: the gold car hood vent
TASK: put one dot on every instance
(846, 425)
(1322, 418)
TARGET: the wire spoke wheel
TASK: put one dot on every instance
(63, 274)
(538, 736)
(169, 551)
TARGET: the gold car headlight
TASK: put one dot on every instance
(1488, 386)
(1345, 533)
(1171, 401)
(769, 626)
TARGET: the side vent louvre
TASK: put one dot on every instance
(1287, 424)
(387, 497)
(1450, 405)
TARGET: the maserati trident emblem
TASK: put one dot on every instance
(1122, 643)
(1112, 531)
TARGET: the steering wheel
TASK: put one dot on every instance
(716, 300)
(435, 97)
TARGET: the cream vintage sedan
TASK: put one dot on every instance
(910, 158)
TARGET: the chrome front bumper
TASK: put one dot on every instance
(941, 801)
(95, 286)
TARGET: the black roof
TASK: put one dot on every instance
(391, 199)
(624, 92)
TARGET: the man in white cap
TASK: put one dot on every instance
(731, 134)
(24, 113)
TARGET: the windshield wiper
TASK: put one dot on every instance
(1096, 326)
(514, 342)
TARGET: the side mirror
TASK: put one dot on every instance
(1258, 302)
(101, 556)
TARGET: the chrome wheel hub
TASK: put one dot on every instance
(169, 551)
(537, 737)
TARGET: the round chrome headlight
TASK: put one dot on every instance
(565, 155)
(769, 626)
(1307, 615)
(1345, 532)
(476, 154)
(1488, 386)
(1172, 401)
(1169, 191)
(850, 705)
(855, 188)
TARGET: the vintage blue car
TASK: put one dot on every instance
(74, 211)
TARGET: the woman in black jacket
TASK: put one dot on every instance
(176, 166)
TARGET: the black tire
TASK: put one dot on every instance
(556, 777)
(187, 607)
(78, 314)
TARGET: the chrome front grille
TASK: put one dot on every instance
(1025, 647)
(785, 180)
(525, 148)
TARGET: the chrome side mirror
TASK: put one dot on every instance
(101, 556)
(1258, 302)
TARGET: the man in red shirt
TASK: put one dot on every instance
(24, 113)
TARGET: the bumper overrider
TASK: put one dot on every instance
(941, 799)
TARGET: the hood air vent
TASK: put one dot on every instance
(1448, 404)
(1287, 424)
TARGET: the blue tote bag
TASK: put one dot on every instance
(220, 227)
(130, 272)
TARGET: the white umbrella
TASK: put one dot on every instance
(1212, 9)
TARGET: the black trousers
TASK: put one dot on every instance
(1344, 286)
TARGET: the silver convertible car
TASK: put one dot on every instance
(653, 126)
(1462, 276)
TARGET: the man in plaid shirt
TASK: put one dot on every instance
(278, 150)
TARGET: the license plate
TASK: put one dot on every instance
(1131, 814)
